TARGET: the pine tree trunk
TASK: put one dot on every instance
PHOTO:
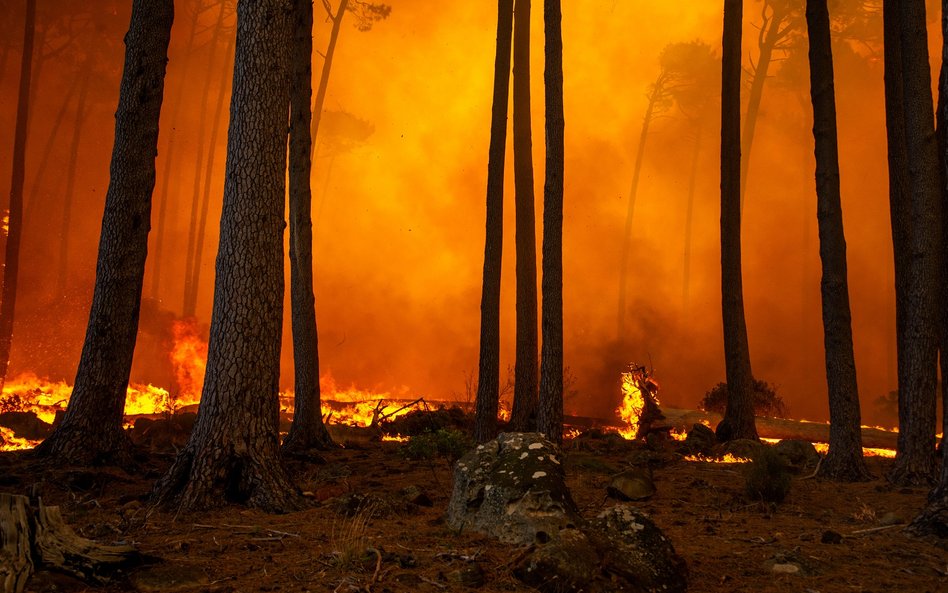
(915, 459)
(550, 412)
(526, 369)
(11, 264)
(657, 91)
(844, 460)
(307, 431)
(91, 430)
(738, 422)
(233, 452)
(488, 368)
(190, 291)
(768, 42)
(320, 100)
(209, 168)
(68, 197)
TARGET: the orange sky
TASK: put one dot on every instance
(399, 233)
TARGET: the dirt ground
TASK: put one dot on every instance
(729, 542)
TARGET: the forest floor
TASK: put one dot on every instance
(730, 543)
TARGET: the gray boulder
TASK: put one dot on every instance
(512, 488)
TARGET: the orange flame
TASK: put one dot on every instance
(189, 360)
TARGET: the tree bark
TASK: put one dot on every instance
(844, 461)
(526, 369)
(233, 452)
(327, 68)
(915, 461)
(68, 197)
(550, 412)
(738, 422)
(11, 264)
(91, 430)
(307, 431)
(488, 369)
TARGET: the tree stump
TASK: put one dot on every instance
(39, 537)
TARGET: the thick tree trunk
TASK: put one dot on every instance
(320, 100)
(307, 431)
(71, 182)
(233, 452)
(738, 422)
(689, 217)
(11, 264)
(657, 91)
(915, 462)
(844, 460)
(223, 89)
(550, 412)
(190, 290)
(488, 368)
(526, 370)
(770, 35)
(91, 430)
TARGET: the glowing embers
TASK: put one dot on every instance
(639, 407)
(823, 449)
(727, 458)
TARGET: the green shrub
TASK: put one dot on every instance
(444, 442)
(767, 402)
(768, 477)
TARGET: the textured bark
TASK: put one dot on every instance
(233, 452)
(191, 262)
(657, 92)
(91, 430)
(71, 181)
(738, 422)
(550, 412)
(307, 431)
(488, 368)
(526, 369)
(324, 75)
(915, 460)
(844, 460)
(11, 264)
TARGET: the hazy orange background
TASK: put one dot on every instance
(400, 226)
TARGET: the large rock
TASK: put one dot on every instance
(512, 488)
(633, 484)
(25, 425)
(798, 454)
(700, 441)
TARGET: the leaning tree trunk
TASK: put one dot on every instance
(488, 368)
(68, 197)
(324, 75)
(550, 412)
(915, 459)
(11, 264)
(233, 453)
(307, 431)
(91, 430)
(526, 369)
(844, 461)
(738, 422)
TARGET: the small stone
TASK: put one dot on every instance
(831, 537)
(632, 484)
(538, 475)
(788, 568)
(891, 519)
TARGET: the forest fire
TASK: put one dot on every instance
(639, 401)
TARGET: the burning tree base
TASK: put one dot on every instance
(33, 537)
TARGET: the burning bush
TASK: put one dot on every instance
(767, 402)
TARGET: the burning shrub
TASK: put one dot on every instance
(444, 442)
(767, 402)
(768, 478)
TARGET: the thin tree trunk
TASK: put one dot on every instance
(327, 68)
(171, 153)
(209, 169)
(15, 224)
(526, 368)
(233, 452)
(657, 91)
(190, 293)
(550, 412)
(689, 217)
(738, 422)
(915, 459)
(488, 368)
(844, 461)
(68, 196)
(770, 35)
(91, 430)
(307, 431)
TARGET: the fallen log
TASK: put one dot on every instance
(33, 537)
